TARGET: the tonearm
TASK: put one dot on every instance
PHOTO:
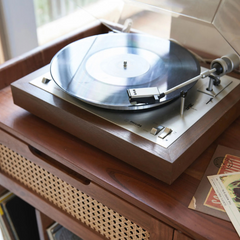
(218, 68)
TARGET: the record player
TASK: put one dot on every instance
(139, 96)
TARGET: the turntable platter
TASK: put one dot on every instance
(99, 69)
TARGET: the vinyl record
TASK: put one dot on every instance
(99, 69)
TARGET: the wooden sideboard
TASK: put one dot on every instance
(91, 193)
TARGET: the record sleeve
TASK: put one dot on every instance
(22, 219)
(224, 160)
(7, 231)
(226, 187)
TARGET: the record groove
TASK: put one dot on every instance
(99, 69)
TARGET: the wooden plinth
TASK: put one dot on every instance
(165, 164)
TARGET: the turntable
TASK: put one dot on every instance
(143, 99)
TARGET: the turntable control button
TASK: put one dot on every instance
(165, 132)
(46, 80)
(155, 131)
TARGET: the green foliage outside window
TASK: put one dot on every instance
(50, 10)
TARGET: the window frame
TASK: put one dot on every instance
(17, 27)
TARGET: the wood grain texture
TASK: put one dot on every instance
(180, 236)
(165, 164)
(168, 204)
(2, 190)
(44, 222)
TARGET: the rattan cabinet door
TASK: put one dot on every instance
(82, 201)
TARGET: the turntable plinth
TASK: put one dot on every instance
(163, 163)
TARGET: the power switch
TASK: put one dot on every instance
(165, 132)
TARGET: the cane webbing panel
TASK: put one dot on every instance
(94, 214)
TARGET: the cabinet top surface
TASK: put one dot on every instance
(168, 203)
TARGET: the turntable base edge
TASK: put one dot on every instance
(165, 164)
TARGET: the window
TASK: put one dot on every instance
(1, 53)
(26, 24)
(56, 18)
(17, 27)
